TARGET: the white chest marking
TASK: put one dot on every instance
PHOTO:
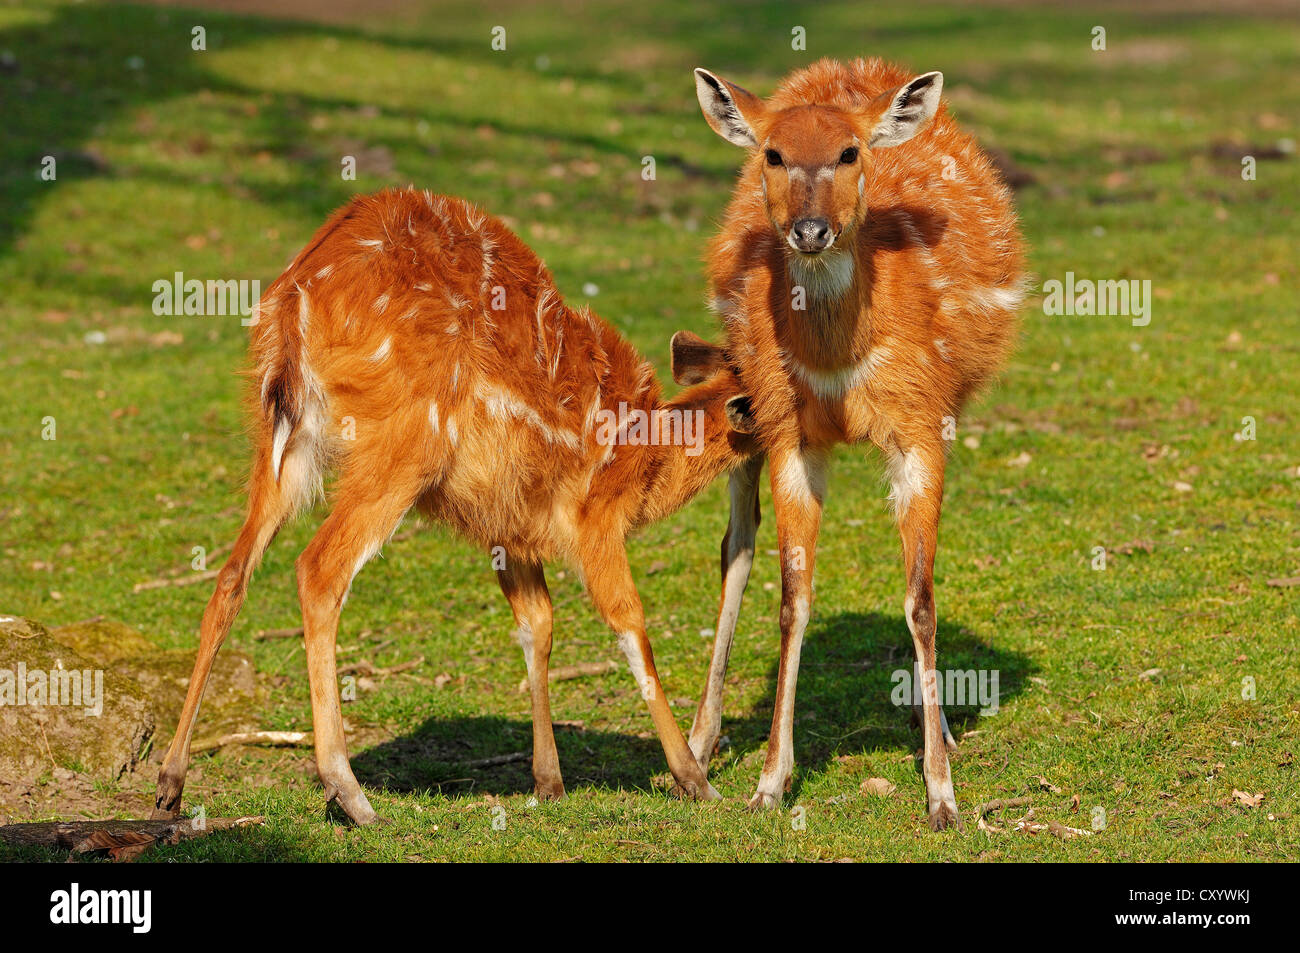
(834, 384)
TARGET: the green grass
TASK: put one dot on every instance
(222, 163)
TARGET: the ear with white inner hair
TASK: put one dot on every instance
(906, 110)
(726, 107)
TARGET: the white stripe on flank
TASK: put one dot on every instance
(503, 405)
(382, 351)
(380, 303)
(324, 272)
(487, 245)
(304, 313)
(997, 299)
(589, 422)
(433, 415)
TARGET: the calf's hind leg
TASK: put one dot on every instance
(609, 581)
(269, 505)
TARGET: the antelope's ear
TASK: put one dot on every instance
(740, 415)
(729, 109)
(694, 359)
(905, 110)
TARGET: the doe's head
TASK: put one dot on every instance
(816, 158)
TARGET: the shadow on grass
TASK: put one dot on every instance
(845, 706)
(68, 75)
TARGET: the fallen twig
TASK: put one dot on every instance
(566, 672)
(275, 739)
(1063, 832)
(497, 759)
(364, 667)
(292, 632)
(348, 650)
(176, 581)
(93, 619)
(999, 804)
(124, 840)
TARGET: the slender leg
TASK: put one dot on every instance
(918, 495)
(609, 580)
(525, 586)
(798, 485)
(918, 709)
(737, 560)
(269, 505)
(363, 518)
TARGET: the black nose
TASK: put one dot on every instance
(812, 234)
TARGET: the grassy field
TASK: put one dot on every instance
(1121, 689)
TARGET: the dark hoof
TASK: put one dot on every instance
(692, 791)
(551, 791)
(943, 817)
(167, 800)
(353, 803)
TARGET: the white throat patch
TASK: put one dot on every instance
(823, 276)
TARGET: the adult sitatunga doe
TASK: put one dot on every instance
(417, 347)
(868, 273)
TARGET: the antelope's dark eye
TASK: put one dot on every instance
(773, 157)
(849, 156)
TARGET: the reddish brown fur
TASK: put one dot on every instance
(379, 354)
(968, 239)
(925, 318)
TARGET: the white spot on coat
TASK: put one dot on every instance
(803, 477)
(908, 478)
(281, 440)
